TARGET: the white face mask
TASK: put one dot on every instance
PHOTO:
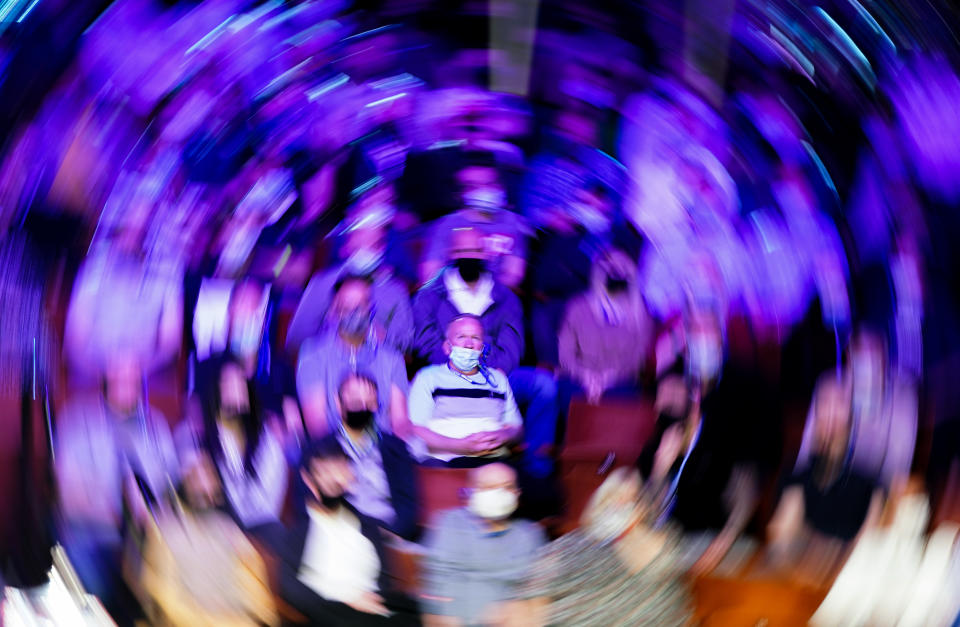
(464, 359)
(612, 524)
(705, 357)
(495, 504)
(485, 198)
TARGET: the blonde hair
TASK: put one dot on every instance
(623, 484)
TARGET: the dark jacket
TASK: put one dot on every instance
(289, 544)
(398, 465)
(502, 325)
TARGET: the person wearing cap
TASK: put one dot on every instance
(466, 288)
(477, 555)
(484, 207)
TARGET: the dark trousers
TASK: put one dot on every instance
(536, 393)
(319, 611)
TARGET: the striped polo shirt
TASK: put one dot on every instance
(456, 405)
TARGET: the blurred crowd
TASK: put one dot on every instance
(267, 265)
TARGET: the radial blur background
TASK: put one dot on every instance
(792, 166)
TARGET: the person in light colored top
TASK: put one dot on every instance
(884, 413)
(469, 287)
(349, 348)
(478, 555)
(199, 569)
(605, 337)
(248, 457)
(333, 568)
(463, 413)
(615, 570)
(114, 454)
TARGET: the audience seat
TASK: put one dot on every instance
(164, 390)
(755, 601)
(598, 439)
(439, 489)
(620, 427)
(403, 565)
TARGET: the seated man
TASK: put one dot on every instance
(350, 347)
(828, 499)
(477, 556)
(463, 412)
(363, 253)
(468, 288)
(385, 486)
(333, 568)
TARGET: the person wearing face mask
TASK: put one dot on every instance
(883, 409)
(616, 569)
(363, 253)
(484, 207)
(467, 288)
(710, 450)
(477, 555)
(247, 456)
(829, 501)
(605, 338)
(351, 346)
(463, 412)
(332, 565)
(385, 486)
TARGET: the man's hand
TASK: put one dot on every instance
(370, 603)
(480, 443)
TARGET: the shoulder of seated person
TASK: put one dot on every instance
(496, 372)
(431, 370)
(313, 344)
(80, 406)
(456, 519)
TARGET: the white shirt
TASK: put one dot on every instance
(339, 563)
(466, 300)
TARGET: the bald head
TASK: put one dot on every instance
(466, 332)
(492, 476)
